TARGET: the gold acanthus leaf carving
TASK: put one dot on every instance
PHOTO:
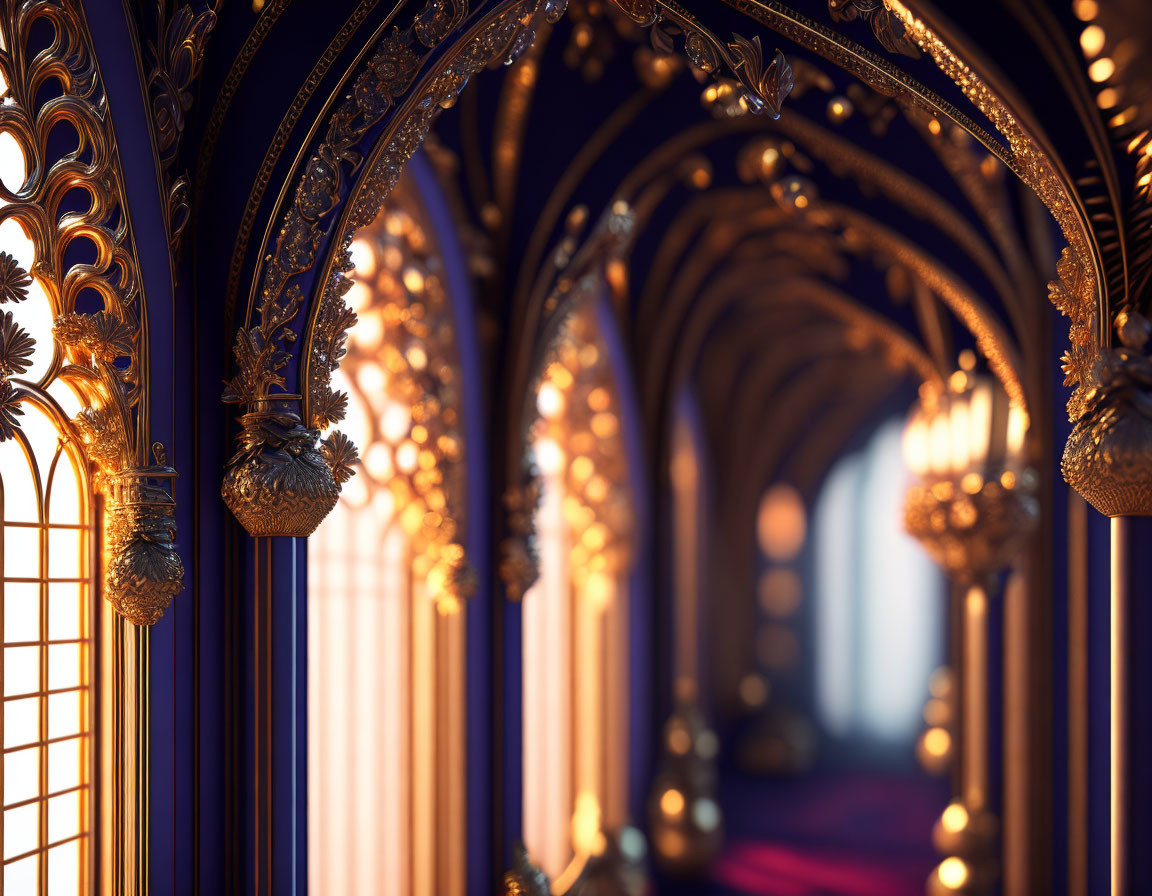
(764, 88)
(889, 31)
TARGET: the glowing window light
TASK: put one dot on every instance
(574, 618)
(877, 634)
(386, 656)
(46, 625)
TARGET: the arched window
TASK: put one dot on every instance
(575, 617)
(387, 576)
(47, 610)
(879, 635)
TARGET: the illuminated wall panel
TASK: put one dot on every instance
(386, 581)
(575, 618)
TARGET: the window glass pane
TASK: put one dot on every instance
(51, 605)
(20, 830)
(21, 722)
(21, 775)
(22, 612)
(64, 868)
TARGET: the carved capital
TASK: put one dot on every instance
(144, 570)
(279, 483)
(1108, 456)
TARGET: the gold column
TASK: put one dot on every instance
(1118, 705)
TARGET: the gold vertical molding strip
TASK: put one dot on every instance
(1017, 662)
(975, 697)
(1077, 695)
(1118, 780)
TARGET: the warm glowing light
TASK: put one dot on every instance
(395, 420)
(979, 422)
(587, 838)
(953, 873)
(672, 802)
(363, 257)
(839, 109)
(1108, 97)
(781, 522)
(961, 434)
(940, 444)
(937, 741)
(916, 449)
(1092, 40)
(1086, 10)
(598, 590)
(1017, 430)
(407, 457)
(1102, 69)
(387, 614)
(955, 818)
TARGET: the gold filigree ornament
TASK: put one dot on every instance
(974, 530)
(97, 358)
(758, 88)
(1108, 457)
(279, 482)
(144, 571)
(261, 350)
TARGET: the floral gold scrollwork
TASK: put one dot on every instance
(96, 353)
(144, 571)
(889, 31)
(1077, 290)
(262, 351)
(1108, 457)
(763, 88)
(15, 351)
(174, 58)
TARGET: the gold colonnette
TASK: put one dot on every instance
(973, 509)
